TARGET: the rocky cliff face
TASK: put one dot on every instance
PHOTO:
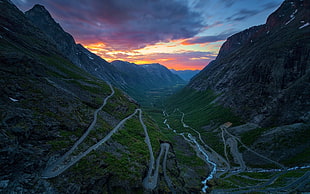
(263, 73)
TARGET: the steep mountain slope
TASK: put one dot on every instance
(186, 75)
(260, 85)
(47, 103)
(65, 43)
(263, 73)
(132, 79)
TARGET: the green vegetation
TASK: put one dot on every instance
(250, 136)
(119, 105)
(302, 157)
(153, 98)
(129, 157)
(200, 109)
(258, 175)
(65, 142)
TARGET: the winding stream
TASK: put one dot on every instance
(192, 139)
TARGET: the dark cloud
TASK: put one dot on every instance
(125, 24)
(246, 13)
(228, 3)
(242, 14)
(209, 39)
(270, 5)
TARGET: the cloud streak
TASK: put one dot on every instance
(127, 25)
(207, 39)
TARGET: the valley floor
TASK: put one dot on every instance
(228, 171)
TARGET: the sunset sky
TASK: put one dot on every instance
(180, 34)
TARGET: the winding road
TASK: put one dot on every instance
(233, 144)
(249, 149)
(167, 179)
(149, 182)
(232, 141)
(51, 171)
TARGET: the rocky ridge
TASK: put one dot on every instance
(263, 73)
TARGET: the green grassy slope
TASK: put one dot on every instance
(199, 108)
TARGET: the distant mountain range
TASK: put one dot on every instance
(131, 78)
(185, 74)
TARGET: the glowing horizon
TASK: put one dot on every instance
(179, 34)
(169, 54)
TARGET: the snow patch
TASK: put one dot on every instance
(305, 25)
(6, 29)
(96, 69)
(90, 58)
(13, 99)
(290, 20)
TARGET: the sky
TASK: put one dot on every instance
(180, 34)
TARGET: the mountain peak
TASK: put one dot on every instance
(290, 13)
(39, 10)
(38, 14)
(39, 7)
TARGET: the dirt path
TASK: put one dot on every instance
(55, 170)
(167, 179)
(233, 144)
(249, 149)
(149, 182)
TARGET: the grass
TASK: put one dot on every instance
(258, 175)
(300, 158)
(64, 141)
(288, 177)
(199, 109)
(250, 136)
(131, 158)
